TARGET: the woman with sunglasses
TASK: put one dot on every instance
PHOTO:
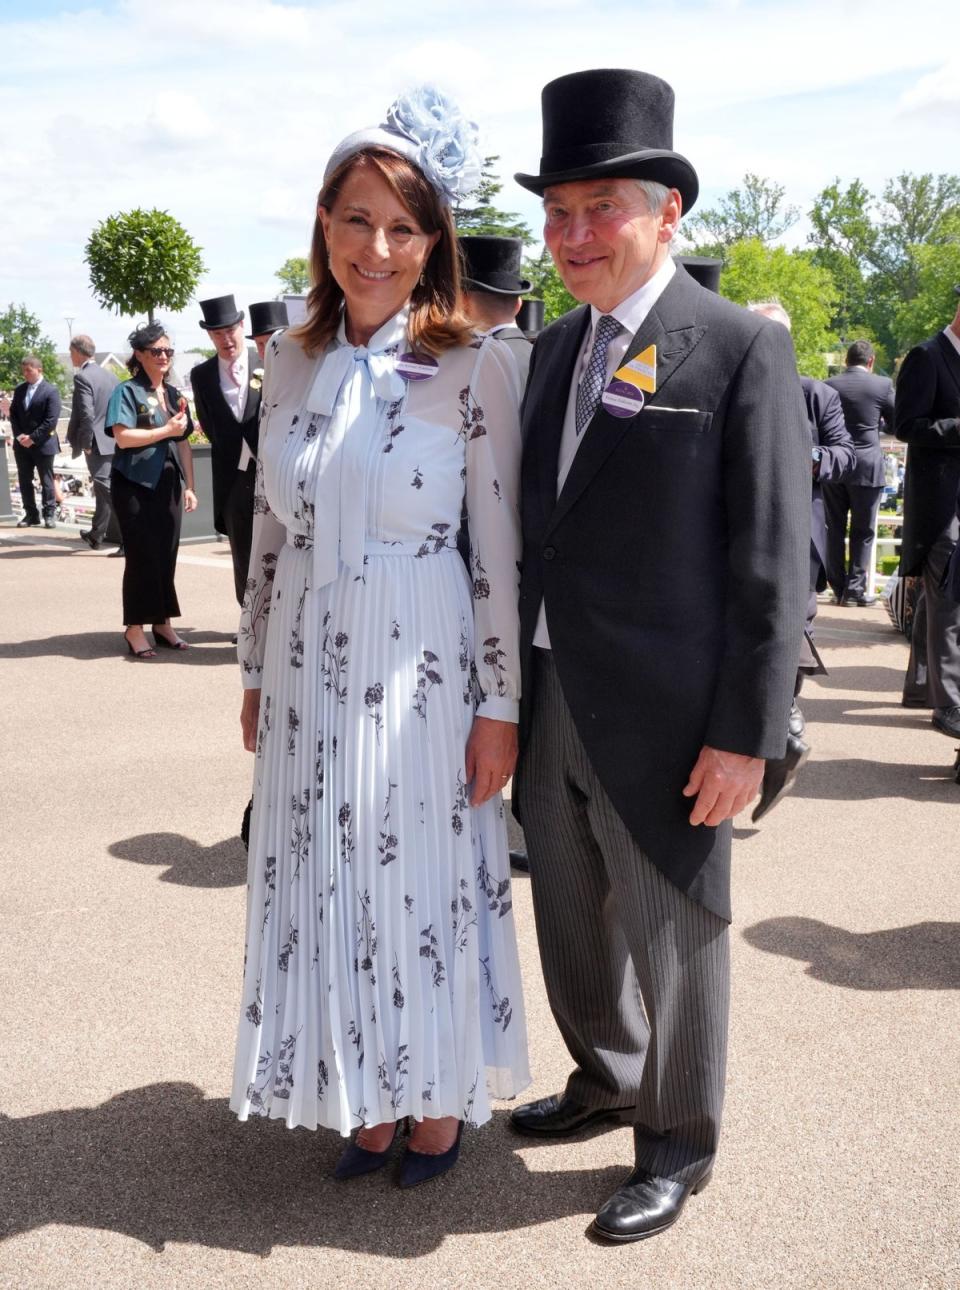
(152, 481)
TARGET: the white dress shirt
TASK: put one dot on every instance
(236, 397)
(952, 337)
(630, 314)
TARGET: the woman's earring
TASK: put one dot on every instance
(423, 279)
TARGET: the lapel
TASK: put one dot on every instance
(672, 326)
(555, 376)
(951, 359)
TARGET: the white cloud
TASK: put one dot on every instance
(224, 111)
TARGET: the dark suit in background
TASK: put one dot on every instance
(867, 402)
(838, 458)
(928, 419)
(233, 489)
(39, 421)
(92, 387)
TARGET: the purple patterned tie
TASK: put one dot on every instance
(595, 377)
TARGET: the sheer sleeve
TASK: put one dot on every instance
(269, 536)
(492, 424)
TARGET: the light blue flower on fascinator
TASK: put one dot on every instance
(428, 128)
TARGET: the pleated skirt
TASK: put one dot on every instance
(381, 976)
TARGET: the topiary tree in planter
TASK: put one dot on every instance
(141, 261)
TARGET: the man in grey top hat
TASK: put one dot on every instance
(492, 290)
(666, 528)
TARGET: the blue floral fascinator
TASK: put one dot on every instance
(428, 128)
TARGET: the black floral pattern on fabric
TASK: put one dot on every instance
(427, 677)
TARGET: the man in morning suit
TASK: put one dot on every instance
(34, 412)
(92, 387)
(666, 523)
(228, 408)
(492, 290)
(927, 418)
(867, 402)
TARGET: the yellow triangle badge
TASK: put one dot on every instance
(641, 371)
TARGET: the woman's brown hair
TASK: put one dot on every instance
(436, 320)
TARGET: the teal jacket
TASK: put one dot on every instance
(135, 405)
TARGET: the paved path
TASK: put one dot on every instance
(121, 923)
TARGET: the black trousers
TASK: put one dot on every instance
(860, 502)
(933, 671)
(238, 518)
(103, 526)
(149, 520)
(29, 460)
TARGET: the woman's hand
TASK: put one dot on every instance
(491, 757)
(176, 426)
(250, 719)
(190, 502)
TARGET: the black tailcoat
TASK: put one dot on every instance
(674, 565)
(838, 459)
(225, 432)
(928, 419)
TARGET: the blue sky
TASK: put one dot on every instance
(224, 111)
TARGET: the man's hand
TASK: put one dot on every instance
(724, 783)
(24, 441)
(249, 719)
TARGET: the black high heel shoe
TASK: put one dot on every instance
(163, 643)
(356, 1161)
(417, 1167)
(139, 653)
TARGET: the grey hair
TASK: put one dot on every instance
(655, 195)
(772, 309)
(83, 345)
(32, 360)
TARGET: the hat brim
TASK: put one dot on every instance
(268, 331)
(658, 164)
(521, 289)
(217, 326)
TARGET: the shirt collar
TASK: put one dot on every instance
(631, 312)
(952, 337)
(225, 367)
(393, 332)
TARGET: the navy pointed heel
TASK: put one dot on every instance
(416, 1167)
(357, 1161)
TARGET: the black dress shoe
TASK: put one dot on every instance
(49, 522)
(863, 601)
(643, 1205)
(519, 861)
(778, 776)
(26, 523)
(795, 722)
(93, 543)
(556, 1117)
(119, 552)
(947, 721)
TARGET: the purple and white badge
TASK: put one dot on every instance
(621, 399)
(416, 367)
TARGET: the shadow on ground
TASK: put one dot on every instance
(187, 862)
(851, 779)
(162, 1163)
(87, 646)
(923, 956)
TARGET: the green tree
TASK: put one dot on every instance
(547, 286)
(934, 302)
(19, 335)
(755, 211)
(294, 274)
(484, 217)
(755, 272)
(141, 261)
(844, 238)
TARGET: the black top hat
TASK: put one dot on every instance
(221, 311)
(530, 318)
(493, 264)
(610, 122)
(267, 316)
(703, 269)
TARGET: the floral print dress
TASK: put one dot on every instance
(381, 975)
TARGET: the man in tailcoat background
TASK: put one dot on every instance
(92, 387)
(927, 418)
(492, 290)
(266, 317)
(867, 401)
(666, 519)
(34, 412)
(227, 400)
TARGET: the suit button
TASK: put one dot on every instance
(549, 552)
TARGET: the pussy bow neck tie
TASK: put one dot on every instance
(353, 386)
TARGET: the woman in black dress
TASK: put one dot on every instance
(152, 482)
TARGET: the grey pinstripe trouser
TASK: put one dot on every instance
(637, 974)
